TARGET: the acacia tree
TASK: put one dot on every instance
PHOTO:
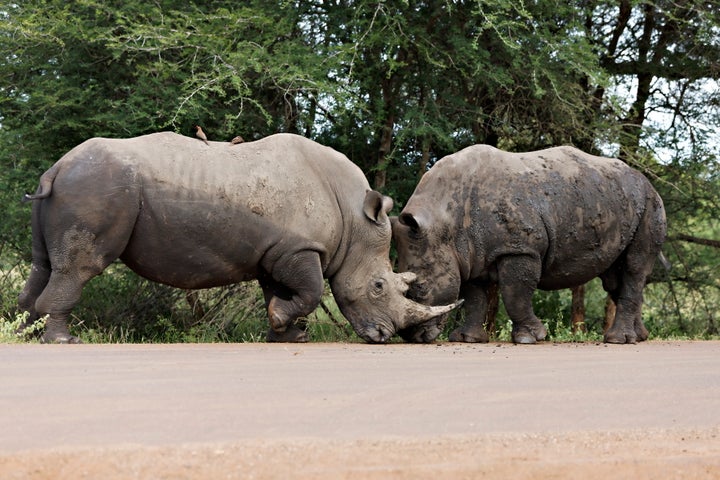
(74, 70)
(427, 79)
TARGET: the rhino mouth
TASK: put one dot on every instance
(377, 333)
(425, 332)
(415, 315)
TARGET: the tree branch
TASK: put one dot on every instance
(700, 241)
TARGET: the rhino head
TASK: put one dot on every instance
(370, 295)
(428, 250)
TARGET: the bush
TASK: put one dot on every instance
(9, 328)
(121, 307)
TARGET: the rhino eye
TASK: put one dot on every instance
(378, 286)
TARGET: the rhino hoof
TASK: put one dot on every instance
(642, 333)
(291, 334)
(524, 338)
(529, 334)
(469, 336)
(60, 339)
(620, 338)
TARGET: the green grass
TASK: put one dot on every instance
(120, 307)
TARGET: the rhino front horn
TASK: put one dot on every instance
(418, 313)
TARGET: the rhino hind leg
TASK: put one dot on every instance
(58, 298)
(629, 283)
(476, 307)
(36, 283)
(78, 256)
(627, 326)
(626, 280)
(518, 277)
(293, 288)
(69, 275)
(53, 293)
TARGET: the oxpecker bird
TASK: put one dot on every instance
(200, 134)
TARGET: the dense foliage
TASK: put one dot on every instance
(394, 85)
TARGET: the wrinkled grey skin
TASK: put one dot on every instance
(283, 210)
(549, 219)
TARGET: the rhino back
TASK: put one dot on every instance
(576, 211)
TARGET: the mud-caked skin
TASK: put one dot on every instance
(283, 210)
(549, 219)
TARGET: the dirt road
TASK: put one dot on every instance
(360, 411)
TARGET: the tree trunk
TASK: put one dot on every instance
(493, 295)
(610, 308)
(389, 87)
(577, 318)
(196, 306)
(424, 159)
(385, 144)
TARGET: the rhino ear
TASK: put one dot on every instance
(376, 206)
(409, 220)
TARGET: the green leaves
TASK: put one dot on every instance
(395, 85)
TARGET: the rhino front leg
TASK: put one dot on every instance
(293, 288)
(518, 277)
(293, 333)
(476, 307)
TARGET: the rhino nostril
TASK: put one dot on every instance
(418, 291)
(383, 334)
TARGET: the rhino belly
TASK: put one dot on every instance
(569, 278)
(199, 250)
(578, 265)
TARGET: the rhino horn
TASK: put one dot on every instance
(417, 313)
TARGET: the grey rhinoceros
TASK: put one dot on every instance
(549, 219)
(283, 210)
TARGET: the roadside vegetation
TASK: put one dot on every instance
(393, 85)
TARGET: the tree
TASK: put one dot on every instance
(394, 85)
(665, 58)
(74, 70)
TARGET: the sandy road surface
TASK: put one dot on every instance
(360, 411)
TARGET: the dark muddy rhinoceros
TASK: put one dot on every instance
(549, 219)
(283, 210)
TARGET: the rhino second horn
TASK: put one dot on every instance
(408, 277)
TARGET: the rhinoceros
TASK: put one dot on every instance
(549, 219)
(283, 210)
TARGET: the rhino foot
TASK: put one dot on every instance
(620, 337)
(626, 335)
(469, 335)
(292, 334)
(59, 338)
(528, 335)
(420, 333)
(641, 331)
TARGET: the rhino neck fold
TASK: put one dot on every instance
(464, 253)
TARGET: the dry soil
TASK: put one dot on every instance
(329, 411)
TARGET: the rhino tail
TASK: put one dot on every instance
(45, 188)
